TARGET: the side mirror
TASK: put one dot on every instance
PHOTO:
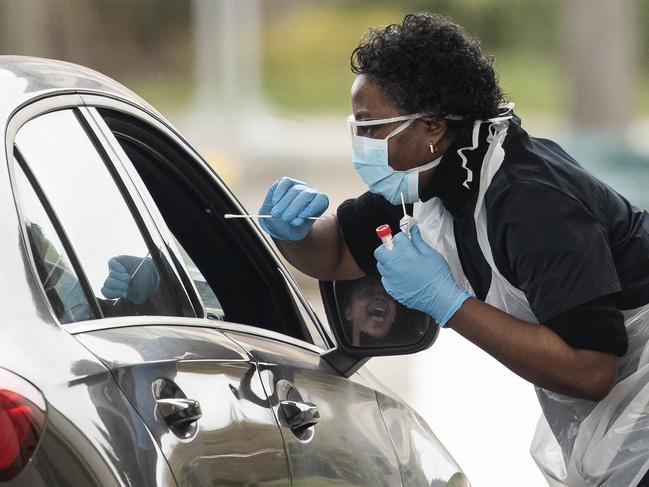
(368, 322)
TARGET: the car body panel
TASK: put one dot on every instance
(236, 441)
(93, 436)
(350, 444)
(24, 79)
(422, 458)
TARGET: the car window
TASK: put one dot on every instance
(236, 277)
(55, 271)
(123, 273)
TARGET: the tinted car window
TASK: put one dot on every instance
(62, 286)
(123, 273)
(228, 264)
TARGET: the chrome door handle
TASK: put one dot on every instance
(178, 411)
(300, 415)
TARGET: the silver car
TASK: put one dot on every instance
(145, 340)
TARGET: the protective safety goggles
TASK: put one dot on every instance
(365, 128)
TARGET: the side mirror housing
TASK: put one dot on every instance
(367, 322)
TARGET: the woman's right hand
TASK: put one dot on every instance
(291, 203)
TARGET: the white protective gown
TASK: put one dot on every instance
(602, 443)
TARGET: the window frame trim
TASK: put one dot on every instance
(112, 323)
(81, 327)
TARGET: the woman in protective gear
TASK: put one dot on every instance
(517, 247)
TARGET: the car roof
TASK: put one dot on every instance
(24, 78)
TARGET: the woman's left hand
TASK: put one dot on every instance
(418, 277)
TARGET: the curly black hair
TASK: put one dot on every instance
(430, 65)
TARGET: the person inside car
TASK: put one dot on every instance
(368, 311)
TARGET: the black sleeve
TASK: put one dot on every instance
(358, 219)
(597, 325)
(552, 248)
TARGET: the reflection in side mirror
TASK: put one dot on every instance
(372, 319)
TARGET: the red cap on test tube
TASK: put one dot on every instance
(385, 234)
(383, 231)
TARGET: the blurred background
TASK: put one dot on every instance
(261, 88)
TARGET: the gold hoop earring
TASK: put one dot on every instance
(433, 147)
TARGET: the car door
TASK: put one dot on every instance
(348, 441)
(197, 391)
(331, 425)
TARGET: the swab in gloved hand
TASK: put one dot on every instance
(227, 216)
(292, 205)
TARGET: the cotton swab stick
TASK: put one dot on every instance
(230, 215)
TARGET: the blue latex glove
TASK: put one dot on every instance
(418, 277)
(291, 202)
(128, 279)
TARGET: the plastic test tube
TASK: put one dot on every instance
(385, 234)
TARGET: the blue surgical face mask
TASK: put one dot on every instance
(370, 158)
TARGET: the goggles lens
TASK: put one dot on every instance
(366, 128)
